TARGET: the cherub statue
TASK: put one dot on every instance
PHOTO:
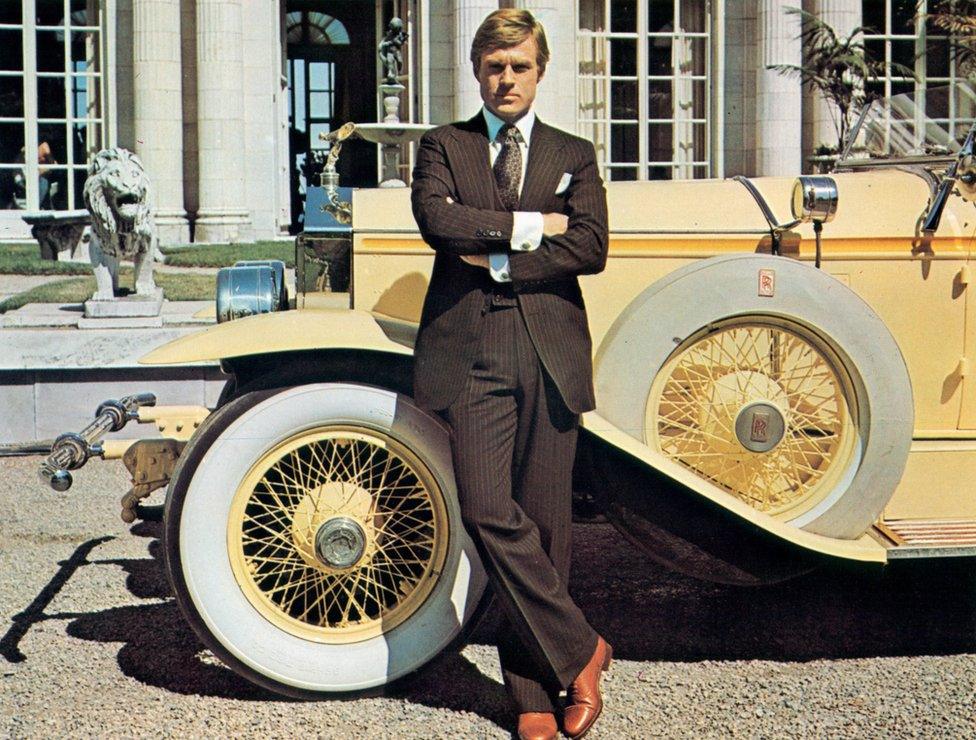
(389, 50)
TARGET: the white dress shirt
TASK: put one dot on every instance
(527, 225)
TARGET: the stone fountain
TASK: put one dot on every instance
(392, 132)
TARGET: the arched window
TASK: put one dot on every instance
(312, 27)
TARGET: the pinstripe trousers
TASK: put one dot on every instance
(513, 443)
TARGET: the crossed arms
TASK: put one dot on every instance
(575, 247)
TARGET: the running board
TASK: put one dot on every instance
(929, 538)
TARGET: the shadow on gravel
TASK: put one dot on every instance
(644, 610)
(35, 611)
(649, 613)
(160, 649)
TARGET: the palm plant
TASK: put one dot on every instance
(958, 19)
(838, 68)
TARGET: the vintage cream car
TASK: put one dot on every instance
(766, 403)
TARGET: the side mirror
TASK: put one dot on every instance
(814, 198)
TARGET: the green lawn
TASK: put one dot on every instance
(25, 259)
(182, 287)
(223, 255)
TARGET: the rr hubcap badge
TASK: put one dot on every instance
(759, 426)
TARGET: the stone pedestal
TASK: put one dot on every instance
(133, 310)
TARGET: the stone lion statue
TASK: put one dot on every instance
(117, 194)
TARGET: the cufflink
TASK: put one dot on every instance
(526, 246)
(504, 275)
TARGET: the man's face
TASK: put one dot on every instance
(508, 79)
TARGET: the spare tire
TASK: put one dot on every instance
(791, 395)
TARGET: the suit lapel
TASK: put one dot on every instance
(469, 165)
(544, 167)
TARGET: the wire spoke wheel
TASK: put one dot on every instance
(337, 534)
(760, 406)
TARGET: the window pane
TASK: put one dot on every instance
(658, 173)
(88, 138)
(937, 57)
(50, 51)
(623, 173)
(693, 16)
(50, 12)
(689, 56)
(84, 96)
(874, 14)
(11, 49)
(11, 143)
(659, 56)
(84, 51)
(54, 135)
(623, 99)
(875, 89)
(319, 76)
(659, 99)
(591, 15)
(50, 97)
(321, 105)
(660, 146)
(623, 57)
(315, 130)
(689, 98)
(875, 49)
(11, 97)
(660, 16)
(902, 52)
(79, 177)
(623, 16)
(10, 11)
(623, 142)
(52, 187)
(900, 88)
(903, 16)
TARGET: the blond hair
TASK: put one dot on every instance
(506, 28)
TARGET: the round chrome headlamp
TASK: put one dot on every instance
(251, 287)
(814, 198)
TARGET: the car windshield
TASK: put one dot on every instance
(931, 122)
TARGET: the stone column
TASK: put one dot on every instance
(158, 110)
(468, 15)
(220, 121)
(778, 98)
(843, 16)
(556, 99)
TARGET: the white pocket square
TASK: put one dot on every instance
(564, 183)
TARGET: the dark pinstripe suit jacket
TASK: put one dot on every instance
(452, 162)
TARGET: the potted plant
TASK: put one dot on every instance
(838, 68)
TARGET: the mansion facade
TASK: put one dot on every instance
(224, 100)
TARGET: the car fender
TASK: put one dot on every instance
(284, 331)
(864, 549)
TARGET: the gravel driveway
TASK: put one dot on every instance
(91, 643)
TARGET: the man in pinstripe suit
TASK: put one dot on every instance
(515, 210)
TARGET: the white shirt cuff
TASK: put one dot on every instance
(526, 230)
(498, 267)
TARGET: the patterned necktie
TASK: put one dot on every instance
(508, 166)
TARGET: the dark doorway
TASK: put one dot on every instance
(331, 80)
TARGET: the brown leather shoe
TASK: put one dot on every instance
(537, 726)
(583, 700)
